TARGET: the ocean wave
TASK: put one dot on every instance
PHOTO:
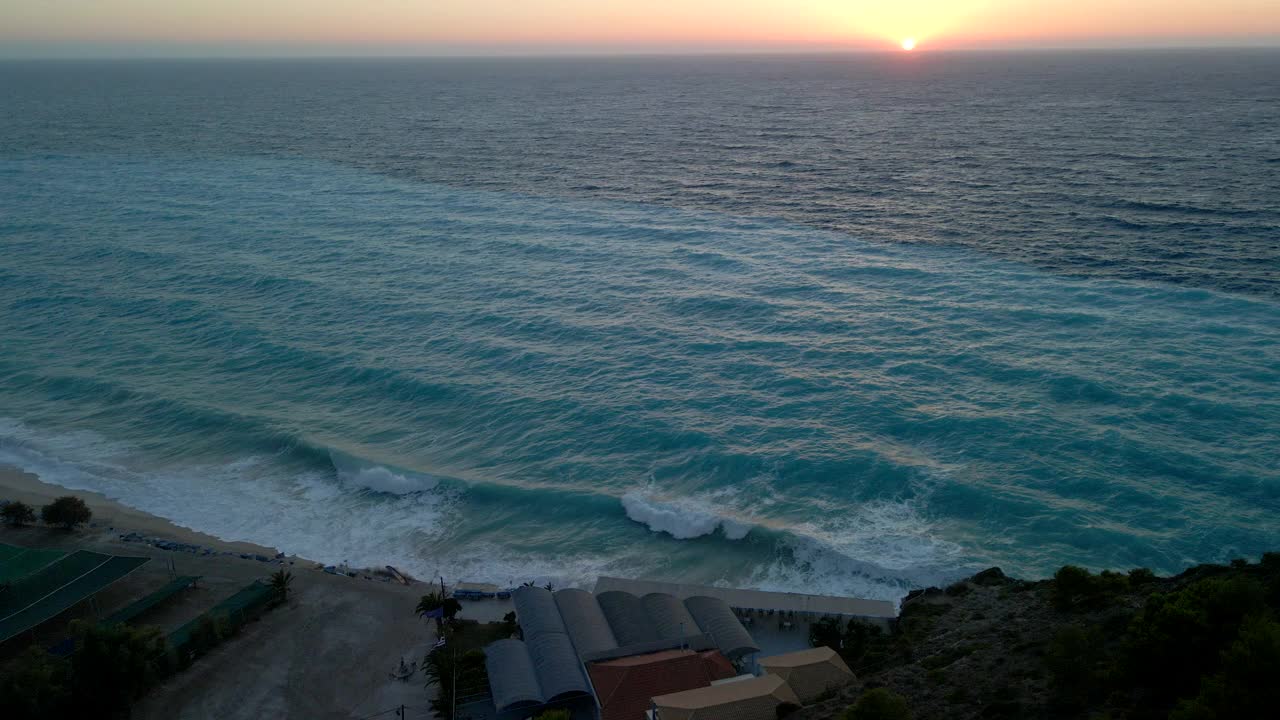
(380, 478)
(265, 499)
(880, 549)
(682, 519)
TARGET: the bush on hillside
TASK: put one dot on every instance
(1178, 638)
(67, 511)
(1141, 576)
(1076, 660)
(18, 514)
(863, 646)
(878, 704)
(785, 709)
(1075, 588)
(1245, 686)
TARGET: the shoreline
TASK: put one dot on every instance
(111, 517)
(327, 653)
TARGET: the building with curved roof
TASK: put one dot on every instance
(557, 667)
(716, 618)
(588, 627)
(627, 618)
(671, 619)
(512, 679)
(538, 612)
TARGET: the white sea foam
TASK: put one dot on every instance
(880, 551)
(253, 499)
(385, 480)
(682, 518)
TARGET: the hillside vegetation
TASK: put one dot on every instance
(1202, 645)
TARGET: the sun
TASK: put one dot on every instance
(909, 44)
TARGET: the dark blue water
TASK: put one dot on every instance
(850, 323)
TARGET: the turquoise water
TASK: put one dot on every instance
(500, 386)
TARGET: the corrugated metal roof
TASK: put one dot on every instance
(715, 617)
(557, 666)
(512, 678)
(627, 618)
(588, 627)
(671, 619)
(537, 612)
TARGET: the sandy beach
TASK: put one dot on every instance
(327, 654)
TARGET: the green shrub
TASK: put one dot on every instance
(782, 710)
(1141, 576)
(1179, 637)
(1245, 686)
(825, 633)
(34, 685)
(864, 646)
(18, 514)
(554, 715)
(1075, 588)
(1074, 659)
(878, 704)
(67, 511)
(113, 666)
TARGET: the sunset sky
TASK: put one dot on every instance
(427, 27)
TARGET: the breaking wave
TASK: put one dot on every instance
(683, 518)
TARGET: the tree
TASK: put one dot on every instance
(67, 511)
(113, 666)
(878, 704)
(432, 602)
(18, 514)
(450, 672)
(825, 633)
(280, 582)
(34, 685)
(1246, 684)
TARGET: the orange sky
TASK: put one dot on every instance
(429, 26)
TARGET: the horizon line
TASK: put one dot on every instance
(523, 54)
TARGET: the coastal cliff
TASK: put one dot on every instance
(1202, 644)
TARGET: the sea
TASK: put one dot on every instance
(849, 324)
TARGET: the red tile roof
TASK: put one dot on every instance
(625, 686)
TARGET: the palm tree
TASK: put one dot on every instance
(280, 582)
(432, 601)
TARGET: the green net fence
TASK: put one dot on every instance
(19, 562)
(245, 605)
(133, 610)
